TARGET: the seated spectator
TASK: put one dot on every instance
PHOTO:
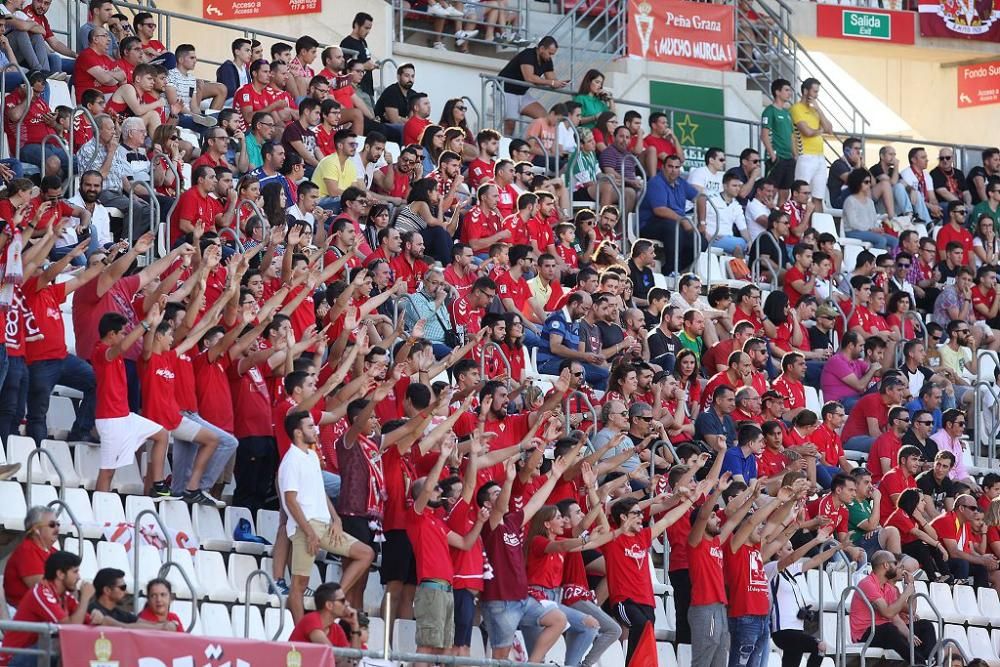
(879, 588)
(323, 625)
(725, 222)
(954, 530)
(950, 184)
(758, 209)
(337, 172)
(662, 140)
(936, 485)
(662, 215)
(26, 564)
(95, 68)
(846, 375)
(869, 416)
(593, 98)
(920, 186)
(741, 461)
(159, 595)
(715, 425)
(36, 123)
(617, 159)
(235, 73)
(393, 105)
(949, 439)
(109, 591)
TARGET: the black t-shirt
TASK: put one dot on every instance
(611, 334)
(364, 55)
(660, 344)
(938, 491)
(928, 446)
(819, 340)
(393, 97)
(837, 169)
(642, 280)
(744, 177)
(947, 273)
(512, 70)
(940, 180)
(981, 173)
(116, 613)
(876, 170)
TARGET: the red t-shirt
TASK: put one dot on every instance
(112, 386)
(83, 80)
(462, 284)
(746, 582)
(468, 564)
(869, 405)
(398, 474)
(677, 537)
(515, 289)
(793, 391)
(662, 145)
(770, 463)
(886, 446)
(627, 561)
(705, 568)
(479, 172)
(312, 622)
(41, 605)
(503, 546)
(948, 527)
(48, 318)
(793, 274)
(411, 274)
(826, 506)
(251, 403)
(428, 534)
(248, 96)
(28, 560)
(895, 481)
(88, 309)
(904, 523)
(829, 444)
(159, 389)
(545, 570)
(518, 228)
(506, 202)
(464, 315)
(479, 224)
(193, 207)
(147, 615)
(740, 316)
(413, 129)
(215, 398)
(948, 233)
(540, 231)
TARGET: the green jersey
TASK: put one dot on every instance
(779, 123)
(978, 210)
(858, 512)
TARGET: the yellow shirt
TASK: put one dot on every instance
(329, 168)
(807, 145)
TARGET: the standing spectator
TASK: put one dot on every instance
(532, 66)
(776, 135)
(810, 126)
(357, 41)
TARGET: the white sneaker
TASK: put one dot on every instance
(454, 12)
(440, 46)
(466, 34)
(439, 11)
(459, 42)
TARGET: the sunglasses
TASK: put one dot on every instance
(945, 158)
(645, 419)
(959, 211)
(461, 108)
(924, 423)
(757, 161)
(122, 587)
(900, 265)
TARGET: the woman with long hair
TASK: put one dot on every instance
(513, 345)
(686, 372)
(432, 141)
(454, 141)
(166, 142)
(275, 203)
(604, 130)
(378, 218)
(860, 219)
(455, 114)
(247, 190)
(985, 243)
(622, 384)
(422, 213)
(900, 303)
(545, 551)
(918, 538)
(593, 99)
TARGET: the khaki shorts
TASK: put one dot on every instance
(434, 611)
(302, 560)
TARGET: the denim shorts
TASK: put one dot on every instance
(504, 617)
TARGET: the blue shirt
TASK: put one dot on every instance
(264, 179)
(660, 193)
(710, 422)
(737, 464)
(560, 324)
(917, 404)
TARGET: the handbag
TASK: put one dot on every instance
(451, 337)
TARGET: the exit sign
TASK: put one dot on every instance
(879, 25)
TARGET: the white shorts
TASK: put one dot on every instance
(121, 438)
(187, 430)
(513, 104)
(813, 170)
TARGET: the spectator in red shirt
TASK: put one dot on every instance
(95, 68)
(481, 226)
(884, 452)
(323, 625)
(901, 477)
(159, 595)
(409, 265)
(954, 231)
(918, 538)
(481, 169)
(26, 565)
(419, 120)
(954, 529)
(663, 140)
(869, 417)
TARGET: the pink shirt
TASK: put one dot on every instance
(860, 616)
(837, 367)
(945, 443)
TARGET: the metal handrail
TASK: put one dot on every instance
(402, 26)
(710, 241)
(979, 410)
(586, 399)
(503, 357)
(246, 611)
(851, 567)
(911, 607)
(257, 210)
(55, 138)
(37, 452)
(475, 110)
(640, 195)
(919, 326)
(841, 650)
(136, 527)
(162, 573)
(545, 151)
(63, 505)
(601, 176)
(234, 232)
(381, 72)
(948, 641)
(178, 181)
(755, 269)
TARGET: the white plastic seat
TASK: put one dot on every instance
(183, 560)
(942, 599)
(183, 610)
(87, 460)
(134, 505)
(79, 503)
(149, 566)
(965, 599)
(813, 578)
(12, 507)
(88, 557)
(18, 449)
(271, 616)
(238, 619)
(60, 417)
(334, 571)
(838, 582)
(824, 223)
(267, 524)
(374, 592)
(213, 621)
(213, 581)
(665, 654)
(662, 627)
(108, 508)
(376, 636)
(176, 515)
(477, 647)
(957, 632)
(981, 646)
(240, 567)
(683, 654)
(404, 636)
(41, 494)
(812, 400)
(989, 604)
(232, 517)
(112, 554)
(59, 451)
(923, 606)
(850, 647)
(207, 523)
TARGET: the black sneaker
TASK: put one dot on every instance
(160, 492)
(199, 497)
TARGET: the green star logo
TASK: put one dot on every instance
(687, 129)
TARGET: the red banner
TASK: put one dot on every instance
(228, 10)
(83, 646)
(687, 33)
(979, 85)
(961, 19)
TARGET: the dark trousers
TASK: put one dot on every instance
(888, 636)
(134, 387)
(256, 465)
(681, 581)
(674, 239)
(438, 243)
(794, 644)
(13, 396)
(930, 559)
(43, 376)
(635, 617)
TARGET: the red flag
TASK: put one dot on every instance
(645, 652)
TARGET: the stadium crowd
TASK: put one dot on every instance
(356, 337)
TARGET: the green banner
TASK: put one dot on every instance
(696, 133)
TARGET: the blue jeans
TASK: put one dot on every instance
(14, 165)
(877, 239)
(825, 474)
(531, 339)
(32, 154)
(579, 637)
(72, 372)
(440, 350)
(331, 483)
(814, 372)
(185, 452)
(849, 401)
(29, 660)
(504, 617)
(859, 443)
(749, 638)
(596, 376)
(730, 243)
(331, 204)
(13, 396)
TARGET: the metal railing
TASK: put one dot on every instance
(593, 32)
(136, 527)
(911, 606)
(576, 393)
(56, 139)
(162, 573)
(38, 452)
(3, 117)
(413, 21)
(63, 506)
(178, 181)
(47, 649)
(246, 611)
(761, 258)
(490, 345)
(841, 644)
